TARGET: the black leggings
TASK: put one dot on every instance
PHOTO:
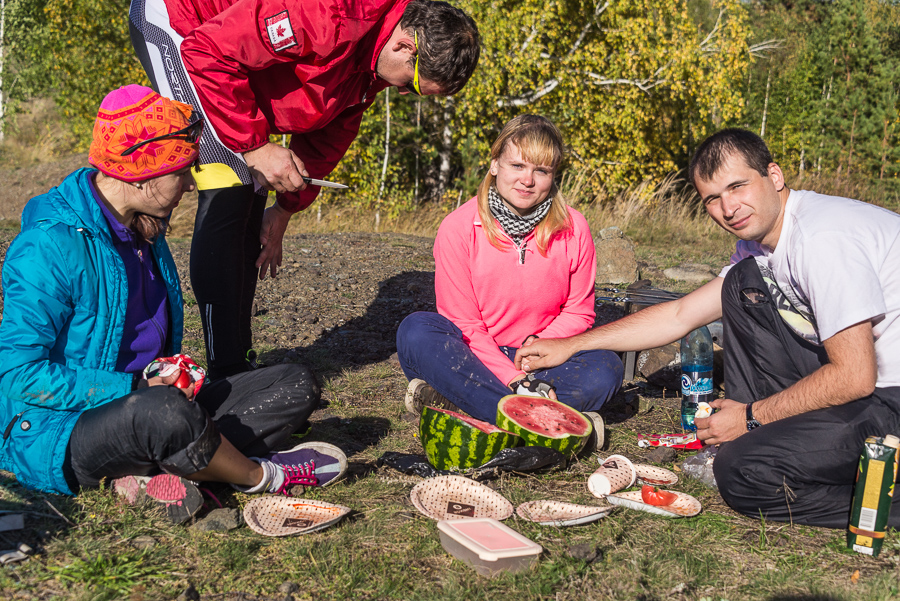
(801, 468)
(157, 429)
(224, 251)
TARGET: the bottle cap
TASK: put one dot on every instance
(891, 441)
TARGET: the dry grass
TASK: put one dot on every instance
(652, 213)
(36, 135)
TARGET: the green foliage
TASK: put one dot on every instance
(117, 573)
(633, 85)
(630, 83)
(828, 96)
(75, 50)
(91, 52)
(412, 150)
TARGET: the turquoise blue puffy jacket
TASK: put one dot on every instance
(64, 298)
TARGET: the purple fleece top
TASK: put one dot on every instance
(147, 313)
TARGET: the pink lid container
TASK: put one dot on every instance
(487, 545)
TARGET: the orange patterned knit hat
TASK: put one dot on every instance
(131, 115)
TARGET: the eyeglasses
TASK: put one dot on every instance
(191, 134)
(415, 82)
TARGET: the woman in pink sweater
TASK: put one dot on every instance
(512, 264)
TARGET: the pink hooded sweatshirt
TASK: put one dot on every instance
(497, 300)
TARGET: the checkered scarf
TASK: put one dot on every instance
(516, 227)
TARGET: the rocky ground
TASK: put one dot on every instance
(341, 293)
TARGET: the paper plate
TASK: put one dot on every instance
(282, 516)
(558, 513)
(456, 497)
(684, 506)
(655, 476)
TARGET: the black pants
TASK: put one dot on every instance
(224, 251)
(802, 468)
(157, 429)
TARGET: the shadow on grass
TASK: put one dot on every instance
(45, 516)
(370, 338)
(352, 435)
(772, 598)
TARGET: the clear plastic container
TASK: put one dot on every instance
(487, 545)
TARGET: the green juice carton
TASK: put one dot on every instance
(872, 497)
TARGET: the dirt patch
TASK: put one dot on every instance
(23, 183)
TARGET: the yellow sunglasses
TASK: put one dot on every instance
(415, 82)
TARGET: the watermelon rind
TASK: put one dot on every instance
(453, 441)
(566, 443)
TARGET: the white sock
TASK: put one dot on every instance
(272, 479)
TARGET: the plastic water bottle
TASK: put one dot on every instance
(696, 374)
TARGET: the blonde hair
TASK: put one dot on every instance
(539, 142)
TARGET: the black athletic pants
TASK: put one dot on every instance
(802, 468)
(156, 429)
(224, 251)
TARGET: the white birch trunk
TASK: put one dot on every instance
(387, 151)
(418, 150)
(762, 128)
(446, 149)
(387, 140)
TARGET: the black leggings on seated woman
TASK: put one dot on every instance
(157, 429)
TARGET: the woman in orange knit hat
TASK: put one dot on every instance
(92, 297)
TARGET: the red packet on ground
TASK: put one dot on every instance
(686, 441)
(190, 371)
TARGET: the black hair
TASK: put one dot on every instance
(716, 149)
(449, 43)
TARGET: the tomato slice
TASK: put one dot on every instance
(651, 495)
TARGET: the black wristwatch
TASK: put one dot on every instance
(751, 421)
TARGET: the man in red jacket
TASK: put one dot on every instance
(259, 67)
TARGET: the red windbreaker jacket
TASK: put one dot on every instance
(305, 68)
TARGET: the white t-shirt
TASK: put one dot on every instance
(837, 264)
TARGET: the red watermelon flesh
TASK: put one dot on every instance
(549, 420)
(544, 422)
(475, 423)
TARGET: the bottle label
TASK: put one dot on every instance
(696, 383)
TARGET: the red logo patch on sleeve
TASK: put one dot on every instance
(281, 36)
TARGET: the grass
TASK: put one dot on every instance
(386, 550)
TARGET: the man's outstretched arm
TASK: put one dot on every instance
(649, 328)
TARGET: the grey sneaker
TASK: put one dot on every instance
(420, 394)
(598, 435)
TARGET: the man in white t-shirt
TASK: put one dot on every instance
(810, 304)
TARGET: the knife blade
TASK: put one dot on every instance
(323, 183)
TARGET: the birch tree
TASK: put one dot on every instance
(633, 84)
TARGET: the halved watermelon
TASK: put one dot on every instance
(544, 423)
(453, 441)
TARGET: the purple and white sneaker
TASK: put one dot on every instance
(310, 464)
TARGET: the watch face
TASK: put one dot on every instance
(751, 421)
